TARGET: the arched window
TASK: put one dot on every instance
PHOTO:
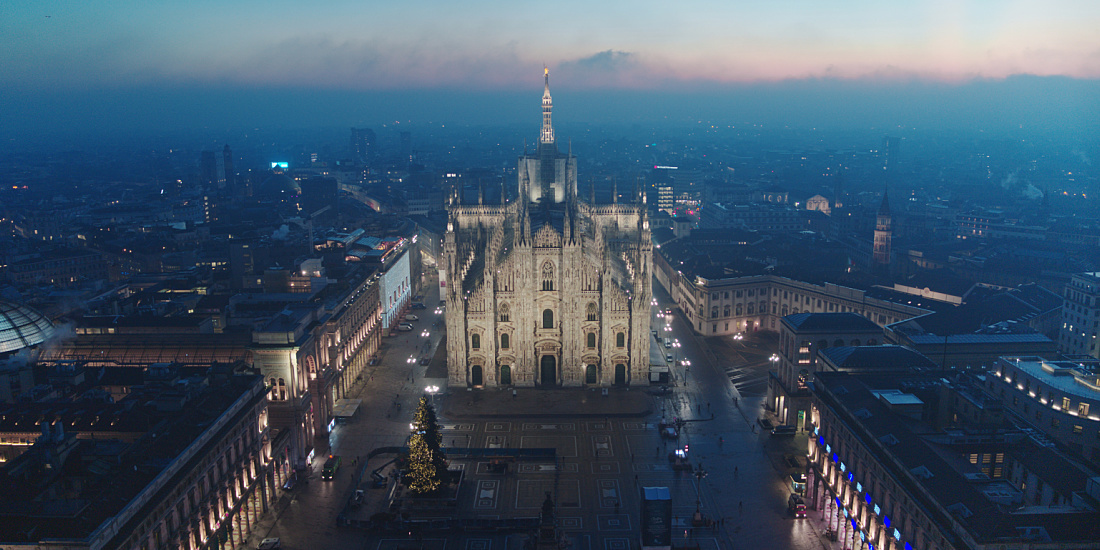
(274, 391)
(855, 342)
(620, 339)
(282, 390)
(838, 343)
(504, 312)
(547, 318)
(591, 311)
(750, 308)
(548, 276)
(475, 341)
(591, 339)
(726, 311)
(504, 341)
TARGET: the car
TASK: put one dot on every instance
(374, 361)
(668, 358)
(269, 544)
(419, 305)
(404, 328)
(411, 317)
(425, 360)
(668, 343)
(418, 298)
(784, 430)
(796, 506)
(290, 482)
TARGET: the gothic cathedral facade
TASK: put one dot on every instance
(545, 289)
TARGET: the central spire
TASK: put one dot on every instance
(547, 134)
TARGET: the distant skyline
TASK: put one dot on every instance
(75, 67)
(493, 44)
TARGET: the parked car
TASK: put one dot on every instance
(411, 317)
(374, 361)
(418, 305)
(668, 358)
(668, 343)
(784, 430)
(404, 328)
(425, 360)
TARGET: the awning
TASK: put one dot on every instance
(346, 407)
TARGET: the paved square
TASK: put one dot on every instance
(479, 544)
(571, 523)
(546, 468)
(496, 441)
(566, 445)
(488, 490)
(601, 446)
(426, 544)
(530, 493)
(609, 494)
(605, 467)
(549, 426)
(613, 522)
(498, 427)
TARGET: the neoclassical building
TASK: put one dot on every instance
(546, 289)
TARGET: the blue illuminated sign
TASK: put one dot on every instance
(886, 520)
(867, 497)
(878, 511)
(859, 487)
(897, 534)
(850, 476)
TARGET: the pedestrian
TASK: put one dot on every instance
(740, 505)
(735, 471)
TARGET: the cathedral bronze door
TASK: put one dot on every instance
(590, 374)
(548, 370)
(505, 375)
(620, 374)
(476, 376)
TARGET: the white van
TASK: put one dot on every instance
(668, 343)
(411, 317)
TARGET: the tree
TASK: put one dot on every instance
(427, 464)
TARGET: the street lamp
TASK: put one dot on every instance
(432, 390)
(774, 359)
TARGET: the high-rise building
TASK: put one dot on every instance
(547, 290)
(363, 146)
(883, 235)
(1081, 315)
(229, 173)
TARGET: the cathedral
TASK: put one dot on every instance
(545, 289)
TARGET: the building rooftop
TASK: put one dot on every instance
(68, 488)
(934, 470)
(861, 358)
(830, 322)
(1069, 376)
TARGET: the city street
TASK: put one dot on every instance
(602, 458)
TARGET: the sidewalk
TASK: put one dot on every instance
(540, 403)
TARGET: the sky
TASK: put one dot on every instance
(64, 57)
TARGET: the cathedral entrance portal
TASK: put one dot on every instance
(547, 371)
(590, 374)
(505, 375)
(620, 374)
(475, 376)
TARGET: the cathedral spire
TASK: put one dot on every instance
(547, 134)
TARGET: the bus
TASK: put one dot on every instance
(331, 465)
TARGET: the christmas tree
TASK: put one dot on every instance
(427, 464)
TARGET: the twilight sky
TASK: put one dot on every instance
(83, 48)
(493, 43)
